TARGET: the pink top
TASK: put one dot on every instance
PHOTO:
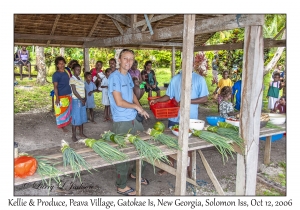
(134, 73)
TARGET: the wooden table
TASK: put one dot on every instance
(195, 145)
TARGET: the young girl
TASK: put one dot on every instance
(78, 103)
(90, 88)
(148, 76)
(273, 92)
(105, 100)
(225, 81)
(226, 107)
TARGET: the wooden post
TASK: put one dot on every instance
(267, 153)
(62, 51)
(117, 57)
(185, 100)
(86, 59)
(138, 177)
(173, 62)
(252, 86)
(41, 66)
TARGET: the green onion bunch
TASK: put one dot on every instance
(74, 160)
(146, 150)
(116, 138)
(271, 125)
(228, 125)
(218, 141)
(228, 133)
(104, 150)
(163, 138)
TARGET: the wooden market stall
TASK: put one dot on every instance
(165, 31)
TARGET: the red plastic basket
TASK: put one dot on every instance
(167, 109)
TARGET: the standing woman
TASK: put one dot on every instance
(62, 94)
(124, 107)
(112, 64)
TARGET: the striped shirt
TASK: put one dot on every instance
(79, 84)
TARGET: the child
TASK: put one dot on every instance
(137, 89)
(105, 100)
(90, 88)
(280, 106)
(78, 102)
(225, 81)
(273, 92)
(226, 107)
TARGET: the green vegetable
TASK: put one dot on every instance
(74, 160)
(159, 126)
(164, 139)
(116, 138)
(220, 142)
(228, 133)
(228, 125)
(271, 125)
(146, 150)
(104, 150)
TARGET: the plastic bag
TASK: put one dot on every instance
(25, 166)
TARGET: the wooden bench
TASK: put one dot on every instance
(194, 144)
(16, 65)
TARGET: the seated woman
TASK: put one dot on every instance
(280, 106)
(148, 76)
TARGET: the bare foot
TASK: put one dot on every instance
(74, 139)
(93, 121)
(82, 135)
(64, 129)
(120, 191)
(106, 119)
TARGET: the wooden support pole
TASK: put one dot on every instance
(250, 109)
(173, 62)
(138, 177)
(148, 24)
(193, 163)
(267, 155)
(211, 174)
(86, 59)
(185, 99)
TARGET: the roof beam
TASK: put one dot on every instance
(95, 25)
(50, 45)
(226, 22)
(163, 44)
(53, 27)
(52, 37)
(118, 26)
(268, 43)
(133, 20)
(156, 18)
(145, 25)
(121, 18)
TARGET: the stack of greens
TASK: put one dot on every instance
(163, 138)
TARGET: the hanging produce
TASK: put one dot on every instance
(116, 138)
(104, 150)
(146, 150)
(163, 138)
(220, 142)
(74, 160)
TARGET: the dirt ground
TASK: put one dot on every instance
(37, 130)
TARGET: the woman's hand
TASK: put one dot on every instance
(153, 101)
(90, 93)
(83, 101)
(57, 102)
(144, 113)
(153, 86)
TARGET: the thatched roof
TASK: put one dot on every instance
(103, 30)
